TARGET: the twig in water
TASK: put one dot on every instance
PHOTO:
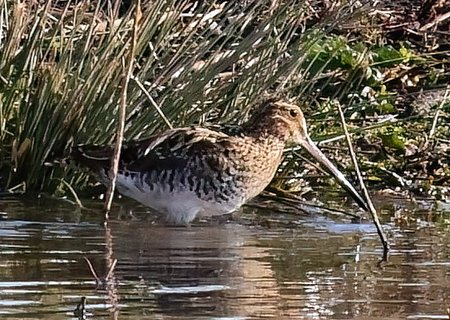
(77, 200)
(370, 206)
(91, 268)
(111, 269)
(122, 111)
(101, 282)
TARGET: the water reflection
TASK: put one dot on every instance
(291, 268)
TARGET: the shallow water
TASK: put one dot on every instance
(264, 264)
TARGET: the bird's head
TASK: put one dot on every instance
(278, 119)
(286, 123)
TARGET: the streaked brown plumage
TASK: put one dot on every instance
(189, 172)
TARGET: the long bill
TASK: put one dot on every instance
(315, 152)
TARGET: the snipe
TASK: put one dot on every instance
(190, 172)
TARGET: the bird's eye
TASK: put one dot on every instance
(293, 113)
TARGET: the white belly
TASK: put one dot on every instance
(180, 207)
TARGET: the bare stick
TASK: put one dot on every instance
(111, 269)
(94, 274)
(372, 210)
(122, 111)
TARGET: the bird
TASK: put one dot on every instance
(191, 172)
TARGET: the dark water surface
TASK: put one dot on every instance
(263, 265)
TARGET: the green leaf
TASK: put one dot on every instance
(393, 138)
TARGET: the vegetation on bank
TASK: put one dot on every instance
(62, 64)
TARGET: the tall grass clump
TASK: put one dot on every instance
(62, 65)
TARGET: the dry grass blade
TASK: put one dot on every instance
(154, 104)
